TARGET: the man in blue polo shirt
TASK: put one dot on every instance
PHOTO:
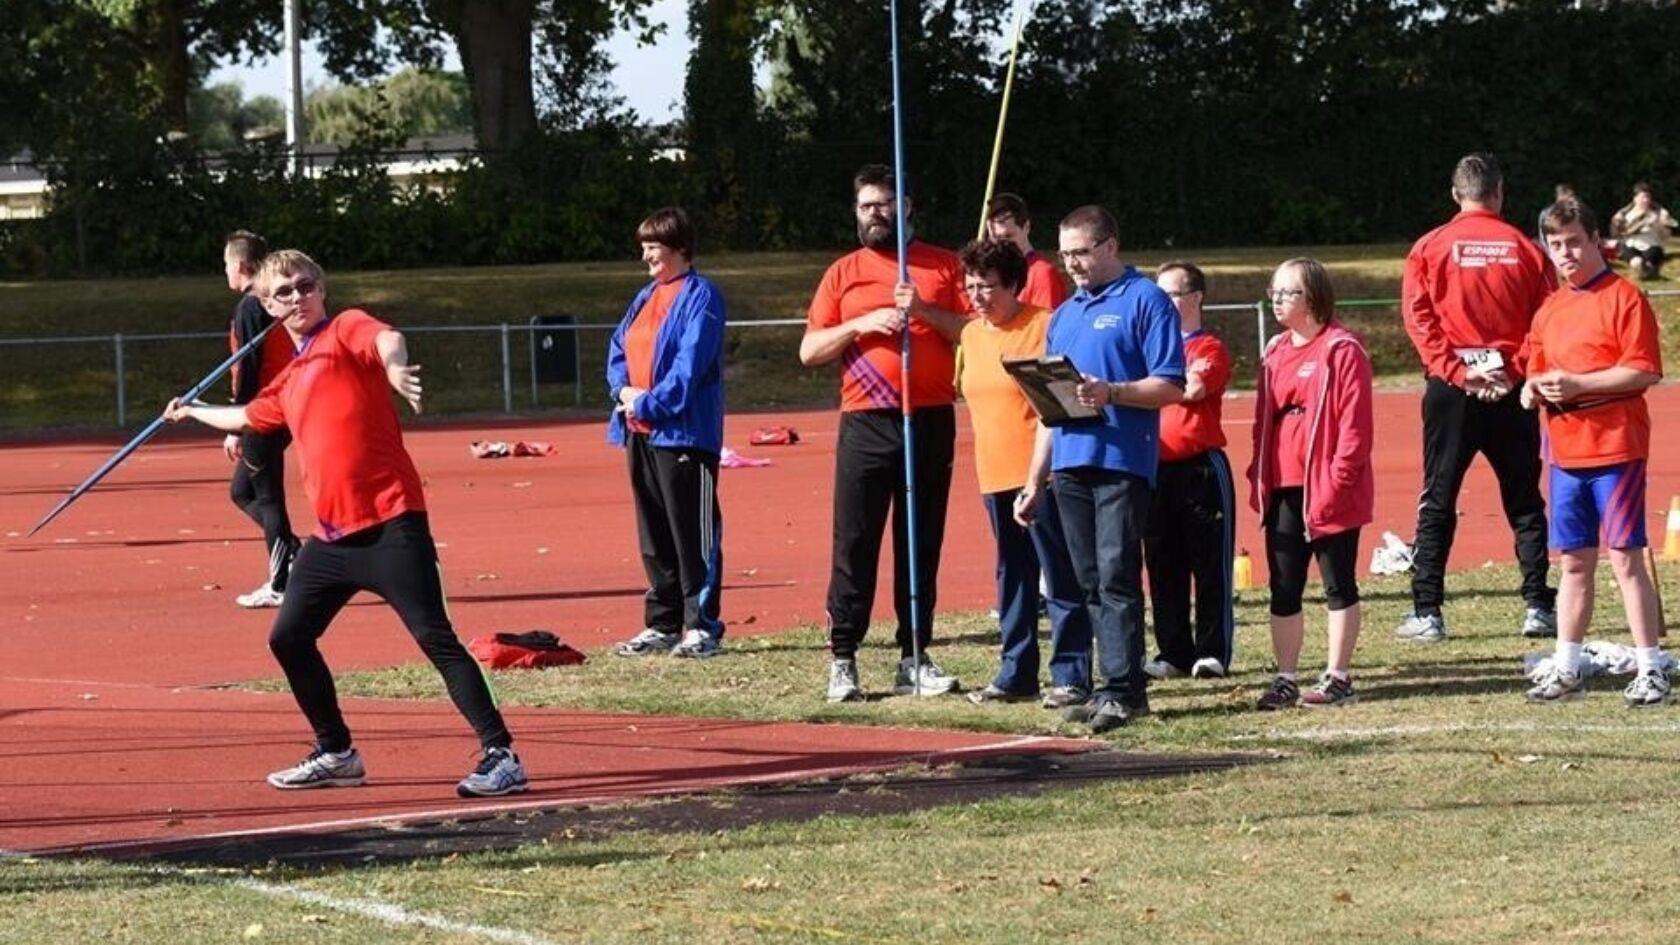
(1121, 332)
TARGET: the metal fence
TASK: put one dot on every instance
(484, 354)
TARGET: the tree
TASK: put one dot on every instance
(725, 142)
(220, 116)
(412, 103)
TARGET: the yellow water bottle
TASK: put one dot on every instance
(1242, 571)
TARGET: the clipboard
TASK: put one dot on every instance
(1048, 384)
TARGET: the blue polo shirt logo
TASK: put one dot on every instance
(1105, 322)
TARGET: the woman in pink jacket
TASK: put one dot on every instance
(1311, 477)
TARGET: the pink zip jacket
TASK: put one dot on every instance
(1341, 489)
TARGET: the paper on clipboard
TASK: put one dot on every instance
(1049, 384)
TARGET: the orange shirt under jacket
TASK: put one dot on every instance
(871, 372)
(1003, 419)
(640, 338)
(1608, 323)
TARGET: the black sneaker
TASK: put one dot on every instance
(1282, 694)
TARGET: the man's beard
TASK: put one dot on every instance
(880, 236)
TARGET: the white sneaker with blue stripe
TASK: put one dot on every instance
(499, 772)
(322, 769)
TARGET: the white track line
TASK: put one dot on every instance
(391, 914)
(479, 810)
(1447, 728)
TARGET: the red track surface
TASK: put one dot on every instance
(128, 595)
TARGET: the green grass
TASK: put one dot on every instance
(72, 385)
(1439, 809)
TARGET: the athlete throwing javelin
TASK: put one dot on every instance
(373, 533)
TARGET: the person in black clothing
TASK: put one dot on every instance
(259, 459)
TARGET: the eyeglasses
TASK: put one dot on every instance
(1285, 295)
(1082, 252)
(879, 206)
(981, 288)
(287, 291)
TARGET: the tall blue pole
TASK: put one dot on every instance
(911, 543)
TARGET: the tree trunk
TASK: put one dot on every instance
(163, 28)
(494, 40)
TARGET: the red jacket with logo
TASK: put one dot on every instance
(1474, 282)
(1340, 493)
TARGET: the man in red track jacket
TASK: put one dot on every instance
(1470, 291)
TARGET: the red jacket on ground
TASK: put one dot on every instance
(1474, 282)
(1340, 493)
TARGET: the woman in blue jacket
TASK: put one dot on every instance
(665, 373)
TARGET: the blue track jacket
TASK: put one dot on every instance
(685, 404)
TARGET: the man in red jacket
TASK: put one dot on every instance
(1469, 294)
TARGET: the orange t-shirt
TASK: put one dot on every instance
(1606, 324)
(336, 400)
(1045, 286)
(640, 338)
(871, 372)
(1004, 421)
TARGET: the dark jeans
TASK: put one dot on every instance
(1022, 555)
(1103, 516)
(1191, 537)
(398, 561)
(679, 525)
(259, 489)
(1456, 427)
(868, 482)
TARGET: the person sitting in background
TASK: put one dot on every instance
(1311, 477)
(1191, 534)
(1641, 229)
(665, 376)
(1004, 428)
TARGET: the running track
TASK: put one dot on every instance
(117, 622)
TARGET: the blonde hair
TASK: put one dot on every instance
(286, 262)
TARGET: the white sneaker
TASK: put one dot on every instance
(926, 680)
(1207, 668)
(1556, 686)
(843, 682)
(1161, 669)
(264, 596)
(322, 769)
(1647, 689)
(647, 642)
(697, 645)
(499, 772)
(1419, 628)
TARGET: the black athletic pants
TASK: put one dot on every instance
(680, 526)
(398, 561)
(259, 489)
(1457, 426)
(1191, 537)
(1287, 551)
(868, 481)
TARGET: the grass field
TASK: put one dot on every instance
(64, 386)
(1441, 808)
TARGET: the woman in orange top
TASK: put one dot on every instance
(1004, 427)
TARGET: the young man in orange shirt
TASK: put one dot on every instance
(1592, 353)
(1007, 221)
(856, 318)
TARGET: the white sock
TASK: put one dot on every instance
(1569, 657)
(1287, 677)
(1336, 673)
(1648, 658)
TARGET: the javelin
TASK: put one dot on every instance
(904, 385)
(152, 429)
(1021, 8)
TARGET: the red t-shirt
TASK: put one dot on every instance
(1291, 374)
(1607, 324)
(1045, 286)
(640, 338)
(1189, 429)
(871, 371)
(337, 402)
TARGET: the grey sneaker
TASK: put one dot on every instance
(1556, 686)
(647, 642)
(991, 693)
(928, 678)
(697, 645)
(1539, 624)
(1161, 669)
(843, 682)
(322, 769)
(1060, 697)
(1647, 689)
(1422, 628)
(499, 772)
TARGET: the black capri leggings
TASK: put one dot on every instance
(1286, 557)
